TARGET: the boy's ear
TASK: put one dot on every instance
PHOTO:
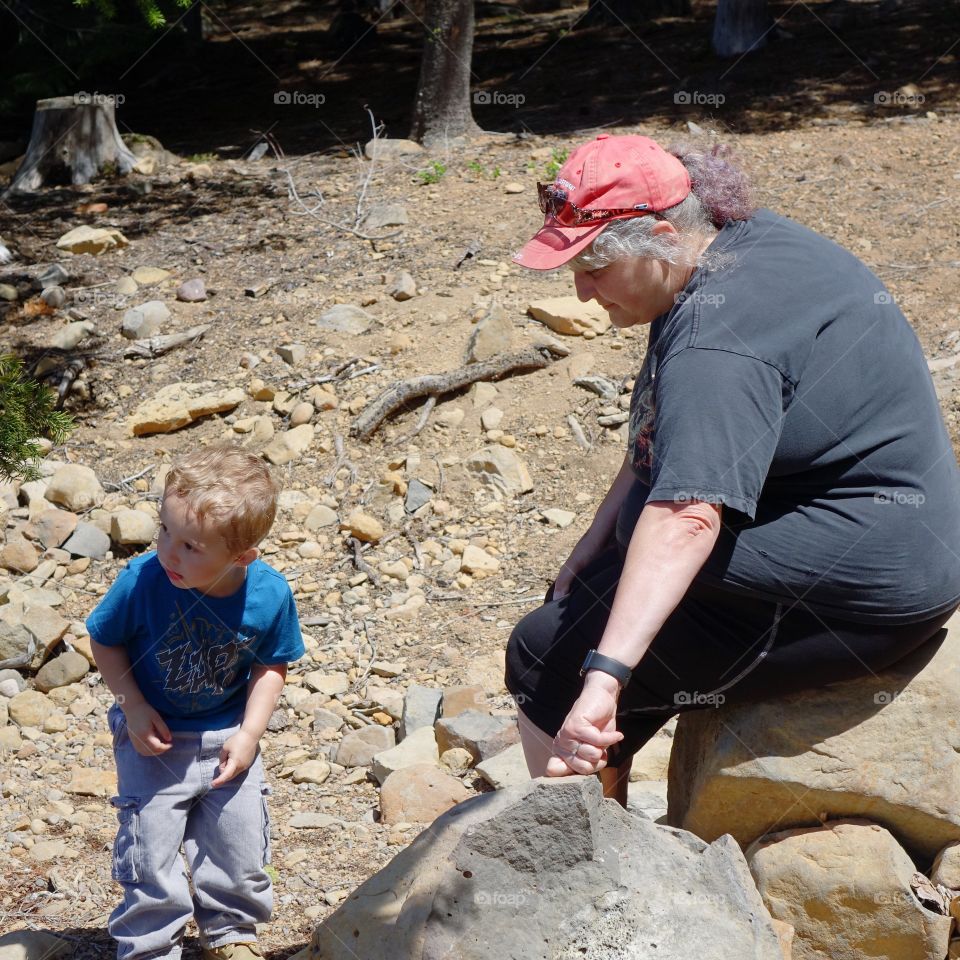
(247, 557)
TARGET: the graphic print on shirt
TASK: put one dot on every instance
(642, 408)
(200, 658)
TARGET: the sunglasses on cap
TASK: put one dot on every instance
(554, 203)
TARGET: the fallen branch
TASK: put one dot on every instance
(360, 564)
(164, 343)
(437, 384)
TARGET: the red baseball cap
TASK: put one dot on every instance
(609, 173)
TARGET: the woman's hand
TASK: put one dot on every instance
(588, 548)
(590, 727)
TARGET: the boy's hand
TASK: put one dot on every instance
(236, 756)
(149, 734)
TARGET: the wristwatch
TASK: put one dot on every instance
(597, 661)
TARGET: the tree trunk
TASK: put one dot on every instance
(442, 106)
(72, 140)
(740, 26)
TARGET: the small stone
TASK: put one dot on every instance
(456, 761)
(179, 404)
(946, 867)
(418, 495)
(52, 527)
(19, 556)
(513, 187)
(30, 708)
(421, 708)
(145, 321)
(344, 318)
(508, 768)
(72, 335)
(75, 487)
(54, 297)
(91, 240)
(93, 783)
(313, 771)
(402, 287)
(292, 353)
(8, 292)
(330, 684)
(408, 610)
(457, 700)
(88, 540)
(56, 722)
(559, 518)
(568, 316)
(382, 148)
(33, 945)
(132, 528)
(385, 215)
(479, 733)
(500, 468)
(68, 668)
(365, 528)
(320, 516)
(126, 286)
(358, 748)
(10, 740)
(52, 276)
(311, 820)
(192, 291)
(491, 418)
(418, 747)
(290, 445)
(17, 648)
(419, 794)
(149, 276)
(302, 413)
(478, 563)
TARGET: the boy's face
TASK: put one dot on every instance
(195, 555)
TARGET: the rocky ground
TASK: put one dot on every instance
(412, 554)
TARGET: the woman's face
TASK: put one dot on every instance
(633, 291)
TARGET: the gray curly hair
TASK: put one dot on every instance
(720, 192)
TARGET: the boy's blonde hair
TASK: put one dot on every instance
(229, 487)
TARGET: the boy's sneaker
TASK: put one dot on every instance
(233, 951)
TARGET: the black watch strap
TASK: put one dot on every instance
(597, 661)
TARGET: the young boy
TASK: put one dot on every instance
(193, 640)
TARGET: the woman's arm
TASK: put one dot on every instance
(670, 543)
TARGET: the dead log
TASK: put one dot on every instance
(163, 343)
(437, 384)
(73, 140)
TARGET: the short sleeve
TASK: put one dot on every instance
(113, 621)
(717, 422)
(283, 643)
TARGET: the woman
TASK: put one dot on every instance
(787, 514)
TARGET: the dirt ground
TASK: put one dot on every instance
(883, 186)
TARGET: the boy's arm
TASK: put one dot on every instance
(263, 692)
(149, 734)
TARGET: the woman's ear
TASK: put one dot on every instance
(663, 226)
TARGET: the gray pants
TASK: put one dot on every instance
(164, 802)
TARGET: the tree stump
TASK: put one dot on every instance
(72, 140)
(741, 26)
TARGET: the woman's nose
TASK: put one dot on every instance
(584, 286)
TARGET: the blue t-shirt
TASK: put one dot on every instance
(787, 385)
(192, 654)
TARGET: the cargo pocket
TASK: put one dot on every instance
(126, 847)
(265, 792)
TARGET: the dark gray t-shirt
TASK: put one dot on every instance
(787, 385)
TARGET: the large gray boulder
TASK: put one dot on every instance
(886, 748)
(552, 871)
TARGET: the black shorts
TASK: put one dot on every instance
(715, 647)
